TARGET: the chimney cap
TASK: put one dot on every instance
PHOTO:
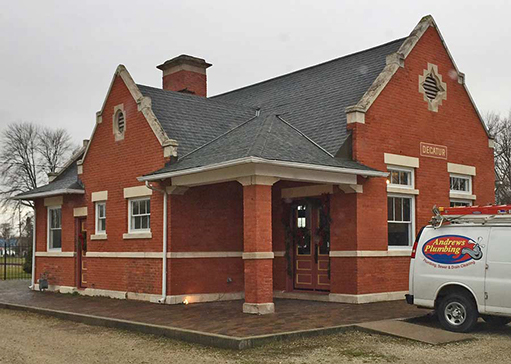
(184, 59)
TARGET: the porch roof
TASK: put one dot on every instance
(266, 139)
(66, 182)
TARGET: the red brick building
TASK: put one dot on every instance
(311, 185)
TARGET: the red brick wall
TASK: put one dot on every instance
(206, 219)
(111, 166)
(60, 270)
(396, 123)
(192, 81)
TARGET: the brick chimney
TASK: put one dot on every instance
(185, 74)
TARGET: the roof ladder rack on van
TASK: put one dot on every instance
(470, 214)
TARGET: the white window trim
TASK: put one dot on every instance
(412, 218)
(470, 202)
(96, 218)
(137, 231)
(463, 176)
(48, 226)
(410, 186)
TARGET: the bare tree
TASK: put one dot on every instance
(500, 130)
(27, 154)
(53, 146)
(5, 231)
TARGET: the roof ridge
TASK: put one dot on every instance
(305, 136)
(218, 137)
(309, 67)
(199, 98)
(259, 133)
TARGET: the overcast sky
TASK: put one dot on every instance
(57, 57)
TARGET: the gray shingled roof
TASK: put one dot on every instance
(67, 180)
(314, 99)
(266, 136)
(193, 120)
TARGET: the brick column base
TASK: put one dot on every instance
(259, 285)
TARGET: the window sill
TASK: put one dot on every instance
(141, 235)
(98, 237)
(461, 195)
(402, 190)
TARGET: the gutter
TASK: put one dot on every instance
(257, 160)
(65, 191)
(165, 243)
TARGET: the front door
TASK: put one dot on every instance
(81, 242)
(311, 245)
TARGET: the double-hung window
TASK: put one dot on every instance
(460, 185)
(400, 220)
(140, 215)
(400, 206)
(54, 228)
(100, 218)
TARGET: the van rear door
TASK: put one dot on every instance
(498, 272)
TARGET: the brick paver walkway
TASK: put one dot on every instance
(224, 318)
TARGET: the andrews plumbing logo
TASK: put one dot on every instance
(452, 249)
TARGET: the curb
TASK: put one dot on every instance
(191, 336)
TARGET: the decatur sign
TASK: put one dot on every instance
(433, 150)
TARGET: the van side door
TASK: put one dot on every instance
(498, 272)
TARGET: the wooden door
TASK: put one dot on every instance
(311, 247)
(81, 242)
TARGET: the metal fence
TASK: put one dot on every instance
(15, 259)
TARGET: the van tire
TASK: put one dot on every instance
(496, 321)
(457, 312)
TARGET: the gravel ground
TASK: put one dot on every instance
(31, 338)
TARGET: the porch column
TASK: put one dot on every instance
(257, 244)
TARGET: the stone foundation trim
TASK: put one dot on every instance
(204, 297)
(259, 308)
(196, 255)
(153, 298)
(305, 296)
(279, 254)
(367, 298)
(80, 212)
(370, 253)
(55, 254)
(139, 255)
(258, 255)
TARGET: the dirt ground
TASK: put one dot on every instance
(31, 338)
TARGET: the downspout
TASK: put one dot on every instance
(165, 243)
(32, 286)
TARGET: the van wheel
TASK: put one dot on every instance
(457, 313)
(496, 321)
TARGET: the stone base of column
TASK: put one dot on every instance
(259, 308)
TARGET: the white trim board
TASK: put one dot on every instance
(55, 254)
(370, 253)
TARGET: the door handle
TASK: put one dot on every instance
(316, 253)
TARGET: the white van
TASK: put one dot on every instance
(461, 267)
